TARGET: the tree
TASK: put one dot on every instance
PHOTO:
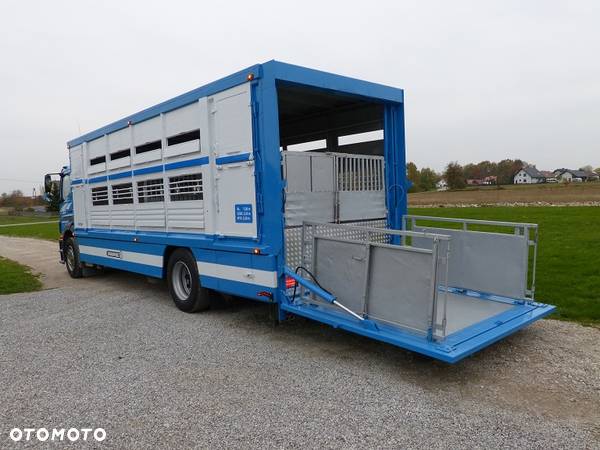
(471, 171)
(427, 179)
(455, 176)
(14, 199)
(597, 170)
(507, 168)
(412, 173)
(587, 168)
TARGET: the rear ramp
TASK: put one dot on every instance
(419, 289)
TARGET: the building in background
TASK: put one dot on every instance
(549, 175)
(529, 175)
(576, 176)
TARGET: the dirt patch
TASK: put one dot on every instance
(584, 194)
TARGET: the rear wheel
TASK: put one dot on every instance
(72, 258)
(184, 282)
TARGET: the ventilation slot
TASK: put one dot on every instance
(122, 194)
(100, 196)
(155, 145)
(120, 154)
(184, 137)
(98, 160)
(151, 191)
(186, 187)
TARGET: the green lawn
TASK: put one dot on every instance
(40, 231)
(6, 220)
(16, 278)
(568, 270)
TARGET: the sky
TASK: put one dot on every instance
(483, 80)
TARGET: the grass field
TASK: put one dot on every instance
(568, 271)
(40, 231)
(549, 193)
(16, 278)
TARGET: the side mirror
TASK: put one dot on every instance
(47, 184)
(51, 184)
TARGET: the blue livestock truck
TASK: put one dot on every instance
(287, 185)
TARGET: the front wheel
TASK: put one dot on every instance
(72, 258)
(184, 283)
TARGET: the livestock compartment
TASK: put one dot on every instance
(288, 185)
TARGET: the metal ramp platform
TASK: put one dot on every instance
(442, 292)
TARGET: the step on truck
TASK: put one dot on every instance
(287, 185)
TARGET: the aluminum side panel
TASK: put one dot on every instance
(487, 262)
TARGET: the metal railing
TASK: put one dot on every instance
(358, 172)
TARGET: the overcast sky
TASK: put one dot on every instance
(483, 80)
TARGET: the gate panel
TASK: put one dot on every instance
(361, 205)
(488, 262)
(400, 287)
(340, 267)
(389, 283)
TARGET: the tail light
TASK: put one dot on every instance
(290, 283)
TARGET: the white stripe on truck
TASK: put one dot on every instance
(223, 271)
(241, 274)
(123, 255)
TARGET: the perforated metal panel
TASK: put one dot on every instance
(293, 238)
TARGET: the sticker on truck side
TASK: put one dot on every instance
(243, 213)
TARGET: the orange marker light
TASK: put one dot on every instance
(256, 251)
(250, 77)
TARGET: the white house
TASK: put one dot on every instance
(441, 185)
(570, 175)
(529, 175)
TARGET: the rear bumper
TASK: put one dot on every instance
(452, 349)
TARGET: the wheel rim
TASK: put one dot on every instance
(70, 258)
(182, 280)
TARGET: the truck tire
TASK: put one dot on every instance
(184, 283)
(72, 261)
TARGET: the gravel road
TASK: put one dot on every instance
(112, 351)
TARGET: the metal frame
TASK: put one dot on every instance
(520, 229)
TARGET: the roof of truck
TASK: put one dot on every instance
(276, 69)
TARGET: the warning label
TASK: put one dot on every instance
(243, 213)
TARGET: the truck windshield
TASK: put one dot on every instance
(65, 187)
